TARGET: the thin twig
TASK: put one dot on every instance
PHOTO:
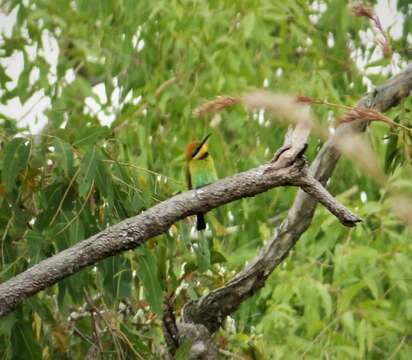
(230, 354)
(143, 169)
(398, 348)
(96, 331)
(64, 196)
(323, 332)
(80, 211)
(83, 336)
(3, 238)
(165, 85)
(109, 327)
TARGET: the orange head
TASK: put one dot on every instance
(196, 149)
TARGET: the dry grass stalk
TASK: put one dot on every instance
(312, 101)
(354, 113)
(220, 103)
(303, 99)
(362, 10)
(282, 105)
(366, 114)
(355, 147)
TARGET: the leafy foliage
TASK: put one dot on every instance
(122, 88)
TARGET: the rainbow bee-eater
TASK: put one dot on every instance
(200, 170)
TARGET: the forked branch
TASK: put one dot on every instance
(211, 309)
(133, 232)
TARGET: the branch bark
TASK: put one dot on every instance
(135, 231)
(211, 309)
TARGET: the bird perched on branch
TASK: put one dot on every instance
(200, 170)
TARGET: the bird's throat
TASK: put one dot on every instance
(203, 156)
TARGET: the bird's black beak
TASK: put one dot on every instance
(204, 141)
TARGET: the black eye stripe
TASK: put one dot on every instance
(195, 151)
(204, 156)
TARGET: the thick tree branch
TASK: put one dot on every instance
(211, 309)
(134, 231)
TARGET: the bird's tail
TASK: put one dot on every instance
(200, 224)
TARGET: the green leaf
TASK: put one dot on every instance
(103, 179)
(35, 245)
(137, 343)
(87, 136)
(76, 285)
(248, 24)
(88, 169)
(50, 198)
(326, 298)
(391, 152)
(117, 276)
(182, 352)
(135, 79)
(379, 63)
(362, 336)
(202, 251)
(6, 323)
(407, 309)
(217, 257)
(41, 307)
(148, 275)
(4, 78)
(64, 153)
(24, 344)
(372, 285)
(348, 322)
(16, 157)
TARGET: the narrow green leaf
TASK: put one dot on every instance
(35, 245)
(182, 352)
(348, 322)
(117, 276)
(65, 155)
(90, 135)
(325, 297)
(16, 157)
(391, 152)
(136, 341)
(217, 257)
(103, 179)
(202, 251)
(6, 324)
(88, 169)
(148, 275)
(248, 24)
(24, 344)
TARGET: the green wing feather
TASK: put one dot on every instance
(202, 172)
